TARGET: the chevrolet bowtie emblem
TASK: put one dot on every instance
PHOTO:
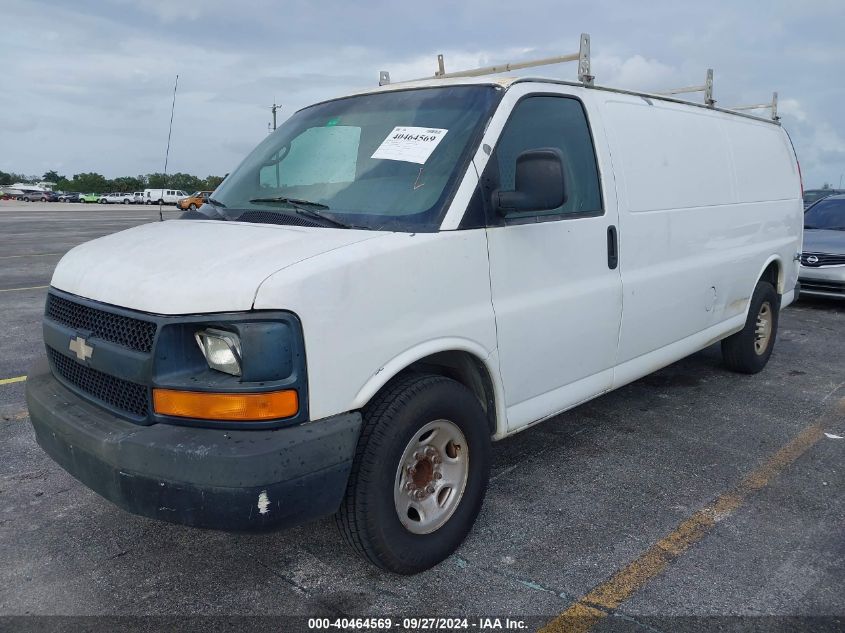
(79, 347)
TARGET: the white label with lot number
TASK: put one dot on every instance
(410, 144)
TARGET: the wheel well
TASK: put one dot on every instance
(772, 274)
(467, 370)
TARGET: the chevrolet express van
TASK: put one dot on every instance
(394, 279)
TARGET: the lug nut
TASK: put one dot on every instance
(438, 475)
(417, 457)
(430, 488)
(429, 451)
(419, 494)
(410, 486)
(436, 459)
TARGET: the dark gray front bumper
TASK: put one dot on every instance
(213, 478)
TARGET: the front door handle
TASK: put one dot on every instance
(612, 248)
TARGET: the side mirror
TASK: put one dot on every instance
(539, 183)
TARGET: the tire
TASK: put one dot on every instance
(125, 201)
(149, 202)
(192, 207)
(408, 409)
(749, 350)
(43, 199)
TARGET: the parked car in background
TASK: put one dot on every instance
(115, 198)
(163, 196)
(42, 196)
(138, 197)
(822, 270)
(69, 197)
(812, 196)
(193, 201)
(89, 197)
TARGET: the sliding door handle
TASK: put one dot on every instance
(612, 248)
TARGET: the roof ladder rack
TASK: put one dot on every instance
(773, 106)
(582, 57)
(706, 88)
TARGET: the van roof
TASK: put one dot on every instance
(507, 82)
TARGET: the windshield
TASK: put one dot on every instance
(827, 214)
(812, 196)
(388, 161)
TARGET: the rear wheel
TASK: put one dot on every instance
(125, 201)
(192, 207)
(749, 350)
(419, 475)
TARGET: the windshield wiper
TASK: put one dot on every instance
(294, 202)
(302, 208)
(215, 203)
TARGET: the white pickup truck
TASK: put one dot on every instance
(116, 198)
(394, 279)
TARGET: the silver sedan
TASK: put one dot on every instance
(822, 271)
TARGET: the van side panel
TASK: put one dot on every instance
(706, 200)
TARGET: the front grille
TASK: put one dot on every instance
(822, 259)
(123, 330)
(818, 285)
(121, 394)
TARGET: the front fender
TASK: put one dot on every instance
(407, 358)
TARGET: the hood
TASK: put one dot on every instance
(824, 241)
(191, 267)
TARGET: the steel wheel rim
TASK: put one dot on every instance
(763, 328)
(431, 477)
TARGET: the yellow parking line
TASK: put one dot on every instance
(601, 601)
(31, 255)
(9, 381)
(28, 288)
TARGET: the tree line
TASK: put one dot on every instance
(97, 183)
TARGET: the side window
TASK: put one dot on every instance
(559, 122)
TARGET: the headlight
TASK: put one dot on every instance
(222, 350)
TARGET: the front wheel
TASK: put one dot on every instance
(419, 475)
(192, 207)
(749, 350)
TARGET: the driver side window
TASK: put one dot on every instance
(550, 122)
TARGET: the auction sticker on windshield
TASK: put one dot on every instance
(411, 144)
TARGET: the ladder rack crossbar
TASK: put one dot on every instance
(756, 106)
(582, 57)
(684, 90)
(706, 88)
(772, 105)
(503, 68)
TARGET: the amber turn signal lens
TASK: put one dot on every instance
(226, 406)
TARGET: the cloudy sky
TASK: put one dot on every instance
(86, 85)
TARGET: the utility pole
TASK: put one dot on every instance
(273, 110)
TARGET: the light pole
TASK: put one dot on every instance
(274, 109)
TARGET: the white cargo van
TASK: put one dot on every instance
(163, 196)
(393, 279)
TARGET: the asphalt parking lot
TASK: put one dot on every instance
(692, 492)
